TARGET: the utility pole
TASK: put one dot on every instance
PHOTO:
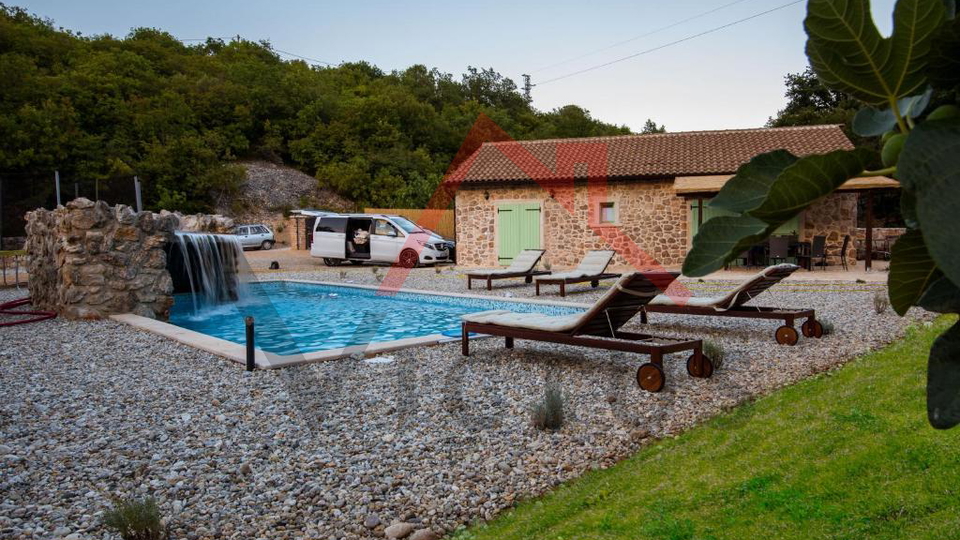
(527, 87)
(136, 187)
(56, 180)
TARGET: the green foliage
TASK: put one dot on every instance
(135, 519)
(548, 414)
(880, 302)
(179, 116)
(850, 56)
(714, 351)
(651, 127)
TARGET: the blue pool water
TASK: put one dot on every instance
(294, 318)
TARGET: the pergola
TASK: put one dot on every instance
(701, 187)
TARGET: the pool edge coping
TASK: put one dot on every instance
(237, 352)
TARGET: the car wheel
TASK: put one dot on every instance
(267, 244)
(409, 258)
(331, 262)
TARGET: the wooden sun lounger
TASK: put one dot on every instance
(512, 271)
(599, 328)
(732, 305)
(591, 269)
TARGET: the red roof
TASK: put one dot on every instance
(642, 156)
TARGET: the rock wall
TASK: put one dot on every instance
(652, 226)
(89, 260)
(833, 217)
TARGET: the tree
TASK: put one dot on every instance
(895, 78)
(651, 127)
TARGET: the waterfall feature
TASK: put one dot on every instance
(207, 266)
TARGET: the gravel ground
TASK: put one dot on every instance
(343, 449)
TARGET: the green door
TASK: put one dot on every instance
(518, 228)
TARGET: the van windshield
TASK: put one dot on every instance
(407, 225)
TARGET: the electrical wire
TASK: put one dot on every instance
(676, 42)
(650, 33)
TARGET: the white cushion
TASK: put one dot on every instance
(530, 321)
(571, 274)
(693, 301)
(595, 262)
(523, 262)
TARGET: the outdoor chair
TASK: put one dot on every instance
(599, 328)
(591, 269)
(732, 305)
(843, 252)
(779, 249)
(818, 252)
(523, 265)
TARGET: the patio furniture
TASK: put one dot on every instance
(522, 266)
(599, 328)
(591, 269)
(732, 305)
(817, 255)
(843, 252)
(779, 249)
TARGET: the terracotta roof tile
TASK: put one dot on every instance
(645, 156)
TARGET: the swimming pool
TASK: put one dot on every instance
(296, 318)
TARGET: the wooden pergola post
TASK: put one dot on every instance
(868, 236)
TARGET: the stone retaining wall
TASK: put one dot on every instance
(89, 260)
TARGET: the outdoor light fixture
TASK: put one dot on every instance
(486, 195)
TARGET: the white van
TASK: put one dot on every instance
(360, 238)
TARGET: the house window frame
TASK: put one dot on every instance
(598, 216)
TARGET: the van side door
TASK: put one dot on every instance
(385, 241)
(329, 238)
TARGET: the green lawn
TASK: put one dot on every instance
(844, 455)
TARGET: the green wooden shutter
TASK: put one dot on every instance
(518, 228)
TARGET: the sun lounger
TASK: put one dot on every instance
(591, 269)
(599, 328)
(522, 266)
(732, 305)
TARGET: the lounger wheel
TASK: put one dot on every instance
(812, 328)
(787, 335)
(701, 368)
(650, 377)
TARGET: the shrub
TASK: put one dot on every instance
(714, 351)
(136, 519)
(548, 414)
(880, 302)
(547, 265)
(827, 326)
(376, 274)
(343, 274)
(437, 269)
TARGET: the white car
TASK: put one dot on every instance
(255, 236)
(360, 238)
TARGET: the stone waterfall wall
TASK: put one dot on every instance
(89, 260)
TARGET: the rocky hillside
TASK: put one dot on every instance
(271, 189)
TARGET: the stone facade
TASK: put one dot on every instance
(652, 227)
(833, 217)
(88, 260)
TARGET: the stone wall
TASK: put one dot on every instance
(833, 217)
(88, 260)
(652, 226)
(653, 223)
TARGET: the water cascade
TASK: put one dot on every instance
(208, 267)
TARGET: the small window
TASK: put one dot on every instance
(608, 212)
(383, 227)
(332, 224)
(242, 231)
(263, 230)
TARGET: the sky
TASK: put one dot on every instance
(731, 78)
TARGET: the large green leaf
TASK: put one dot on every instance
(871, 122)
(943, 67)
(848, 53)
(908, 208)
(807, 180)
(943, 380)
(749, 187)
(720, 240)
(929, 166)
(941, 297)
(912, 270)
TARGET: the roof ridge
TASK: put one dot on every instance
(671, 134)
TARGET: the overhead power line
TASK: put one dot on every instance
(647, 34)
(670, 44)
(272, 48)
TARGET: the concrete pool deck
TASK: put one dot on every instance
(237, 352)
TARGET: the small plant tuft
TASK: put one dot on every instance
(547, 266)
(714, 351)
(827, 326)
(136, 519)
(861, 280)
(880, 302)
(343, 275)
(437, 269)
(548, 414)
(376, 274)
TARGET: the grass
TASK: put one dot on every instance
(845, 455)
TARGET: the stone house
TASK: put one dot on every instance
(642, 195)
